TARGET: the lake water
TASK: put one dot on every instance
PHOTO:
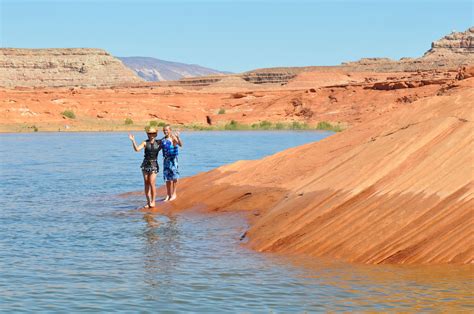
(68, 243)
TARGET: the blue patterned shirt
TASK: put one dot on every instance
(169, 150)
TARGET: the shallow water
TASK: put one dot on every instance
(68, 243)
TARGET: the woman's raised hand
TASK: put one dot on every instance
(131, 137)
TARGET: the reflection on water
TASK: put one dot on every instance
(68, 244)
(160, 252)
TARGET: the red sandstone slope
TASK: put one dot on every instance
(397, 189)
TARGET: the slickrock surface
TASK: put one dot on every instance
(395, 189)
(62, 67)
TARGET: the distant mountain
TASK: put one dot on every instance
(151, 69)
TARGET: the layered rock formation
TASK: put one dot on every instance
(95, 67)
(451, 51)
(396, 189)
(62, 67)
(454, 45)
(268, 77)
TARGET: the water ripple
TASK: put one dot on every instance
(68, 244)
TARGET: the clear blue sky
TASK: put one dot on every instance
(236, 35)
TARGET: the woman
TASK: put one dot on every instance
(170, 144)
(149, 165)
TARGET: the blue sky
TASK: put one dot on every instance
(236, 35)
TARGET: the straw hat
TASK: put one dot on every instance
(151, 129)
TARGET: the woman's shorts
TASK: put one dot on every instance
(170, 169)
(150, 166)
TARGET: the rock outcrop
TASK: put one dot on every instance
(62, 67)
(450, 52)
(268, 77)
(454, 45)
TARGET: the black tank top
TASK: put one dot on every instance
(151, 150)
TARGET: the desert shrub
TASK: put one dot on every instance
(153, 124)
(324, 125)
(265, 125)
(232, 125)
(279, 126)
(221, 111)
(161, 124)
(128, 121)
(69, 114)
(298, 126)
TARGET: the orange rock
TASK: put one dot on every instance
(397, 189)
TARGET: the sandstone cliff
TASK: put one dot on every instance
(451, 51)
(454, 45)
(62, 67)
(396, 189)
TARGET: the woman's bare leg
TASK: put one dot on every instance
(173, 190)
(147, 188)
(151, 182)
(168, 191)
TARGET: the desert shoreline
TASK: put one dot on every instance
(310, 200)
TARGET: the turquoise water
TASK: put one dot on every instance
(68, 243)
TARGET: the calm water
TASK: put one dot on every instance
(68, 243)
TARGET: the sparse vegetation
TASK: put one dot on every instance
(221, 111)
(156, 124)
(232, 125)
(199, 127)
(69, 114)
(34, 128)
(295, 125)
(279, 126)
(323, 125)
(264, 125)
(128, 121)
